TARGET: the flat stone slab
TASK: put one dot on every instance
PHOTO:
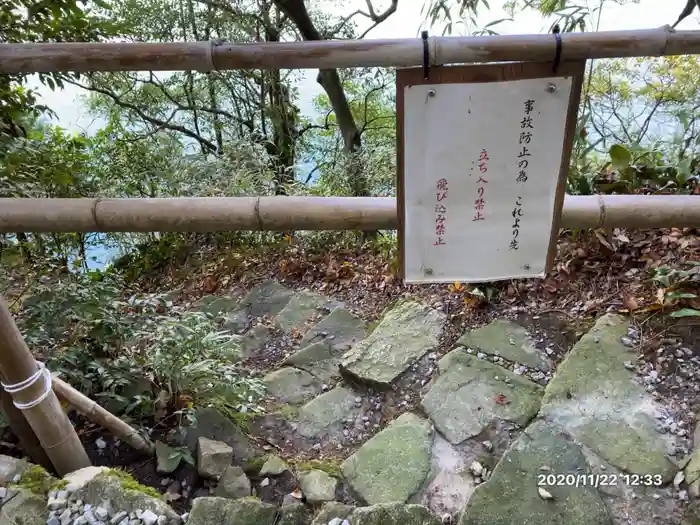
(216, 305)
(325, 414)
(508, 340)
(303, 308)
(392, 465)
(511, 494)
(595, 399)
(393, 514)
(291, 385)
(470, 393)
(242, 511)
(406, 332)
(318, 359)
(323, 347)
(339, 329)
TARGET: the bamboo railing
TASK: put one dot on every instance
(211, 214)
(405, 52)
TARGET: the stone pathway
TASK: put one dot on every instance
(491, 432)
(386, 426)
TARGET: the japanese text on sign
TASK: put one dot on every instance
(498, 146)
(526, 124)
(440, 211)
(480, 202)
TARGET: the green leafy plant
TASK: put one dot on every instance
(679, 288)
(193, 365)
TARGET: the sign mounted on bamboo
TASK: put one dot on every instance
(483, 155)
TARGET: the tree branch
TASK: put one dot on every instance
(161, 124)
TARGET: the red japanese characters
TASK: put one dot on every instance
(440, 211)
(479, 203)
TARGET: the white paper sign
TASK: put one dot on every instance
(481, 164)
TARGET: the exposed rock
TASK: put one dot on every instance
(266, 298)
(168, 458)
(274, 466)
(24, 508)
(222, 511)
(594, 398)
(340, 329)
(448, 489)
(394, 514)
(318, 359)
(325, 344)
(692, 474)
(470, 393)
(11, 467)
(255, 339)
(332, 510)
(213, 457)
(508, 340)
(294, 514)
(233, 484)
(216, 305)
(392, 466)
(406, 332)
(511, 494)
(111, 487)
(214, 425)
(317, 485)
(325, 414)
(302, 308)
(291, 385)
(236, 322)
(78, 479)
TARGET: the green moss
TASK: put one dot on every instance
(37, 480)
(287, 412)
(59, 484)
(129, 483)
(254, 465)
(329, 466)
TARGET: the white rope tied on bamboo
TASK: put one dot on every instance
(42, 371)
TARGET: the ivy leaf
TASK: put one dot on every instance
(620, 156)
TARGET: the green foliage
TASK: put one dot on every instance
(55, 21)
(680, 286)
(181, 454)
(188, 357)
(103, 345)
(454, 13)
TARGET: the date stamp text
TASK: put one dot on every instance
(599, 480)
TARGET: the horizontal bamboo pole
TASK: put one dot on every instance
(406, 52)
(211, 214)
(95, 413)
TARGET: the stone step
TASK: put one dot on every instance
(407, 332)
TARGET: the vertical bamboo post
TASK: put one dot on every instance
(28, 442)
(31, 390)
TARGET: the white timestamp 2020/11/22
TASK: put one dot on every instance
(599, 480)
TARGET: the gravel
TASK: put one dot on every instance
(64, 510)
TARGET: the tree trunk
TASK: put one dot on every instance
(332, 85)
